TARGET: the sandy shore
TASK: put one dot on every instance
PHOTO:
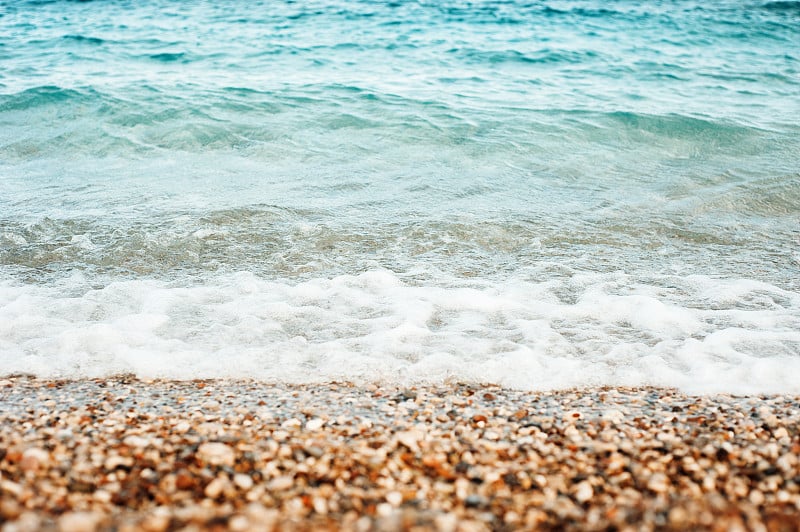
(123, 454)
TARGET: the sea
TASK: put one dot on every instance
(538, 194)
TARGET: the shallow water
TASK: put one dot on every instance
(540, 195)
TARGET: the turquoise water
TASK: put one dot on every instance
(536, 194)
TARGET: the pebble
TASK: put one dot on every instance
(78, 522)
(214, 488)
(136, 441)
(121, 454)
(33, 459)
(158, 521)
(320, 505)
(658, 482)
(280, 483)
(613, 415)
(113, 462)
(292, 423)
(314, 424)
(242, 481)
(410, 439)
(395, 498)
(11, 488)
(215, 453)
(239, 523)
(475, 501)
(583, 491)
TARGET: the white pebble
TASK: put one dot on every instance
(281, 483)
(78, 522)
(314, 424)
(215, 488)
(244, 482)
(216, 453)
(395, 498)
(584, 491)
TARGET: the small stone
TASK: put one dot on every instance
(410, 439)
(211, 406)
(584, 491)
(320, 505)
(446, 522)
(384, 509)
(115, 461)
(472, 525)
(511, 517)
(12, 488)
(136, 441)
(26, 522)
(239, 523)
(658, 482)
(678, 517)
(461, 488)
(292, 423)
(614, 416)
(9, 509)
(78, 522)
(491, 435)
(102, 496)
(158, 521)
(261, 518)
(315, 450)
(184, 480)
(242, 481)
(281, 483)
(475, 501)
(34, 459)
(395, 498)
(216, 454)
(280, 435)
(314, 424)
(756, 497)
(215, 488)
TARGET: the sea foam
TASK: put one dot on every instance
(724, 336)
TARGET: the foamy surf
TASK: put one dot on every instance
(696, 333)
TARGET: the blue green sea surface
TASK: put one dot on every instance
(538, 194)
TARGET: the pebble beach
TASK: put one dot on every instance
(126, 454)
(444, 266)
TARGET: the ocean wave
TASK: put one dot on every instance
(782, 6)
(543, 57)
(377, 327)
(279, 242)
(168, 57)
(147, 118)
(84, 39)
(47, 95)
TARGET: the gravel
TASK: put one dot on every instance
(126, 454)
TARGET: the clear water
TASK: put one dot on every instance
(536, 194)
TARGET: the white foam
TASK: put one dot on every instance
(699, 334)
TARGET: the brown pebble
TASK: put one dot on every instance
(128, 455)
(78, 522)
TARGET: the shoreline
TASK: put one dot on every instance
(128, 454)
